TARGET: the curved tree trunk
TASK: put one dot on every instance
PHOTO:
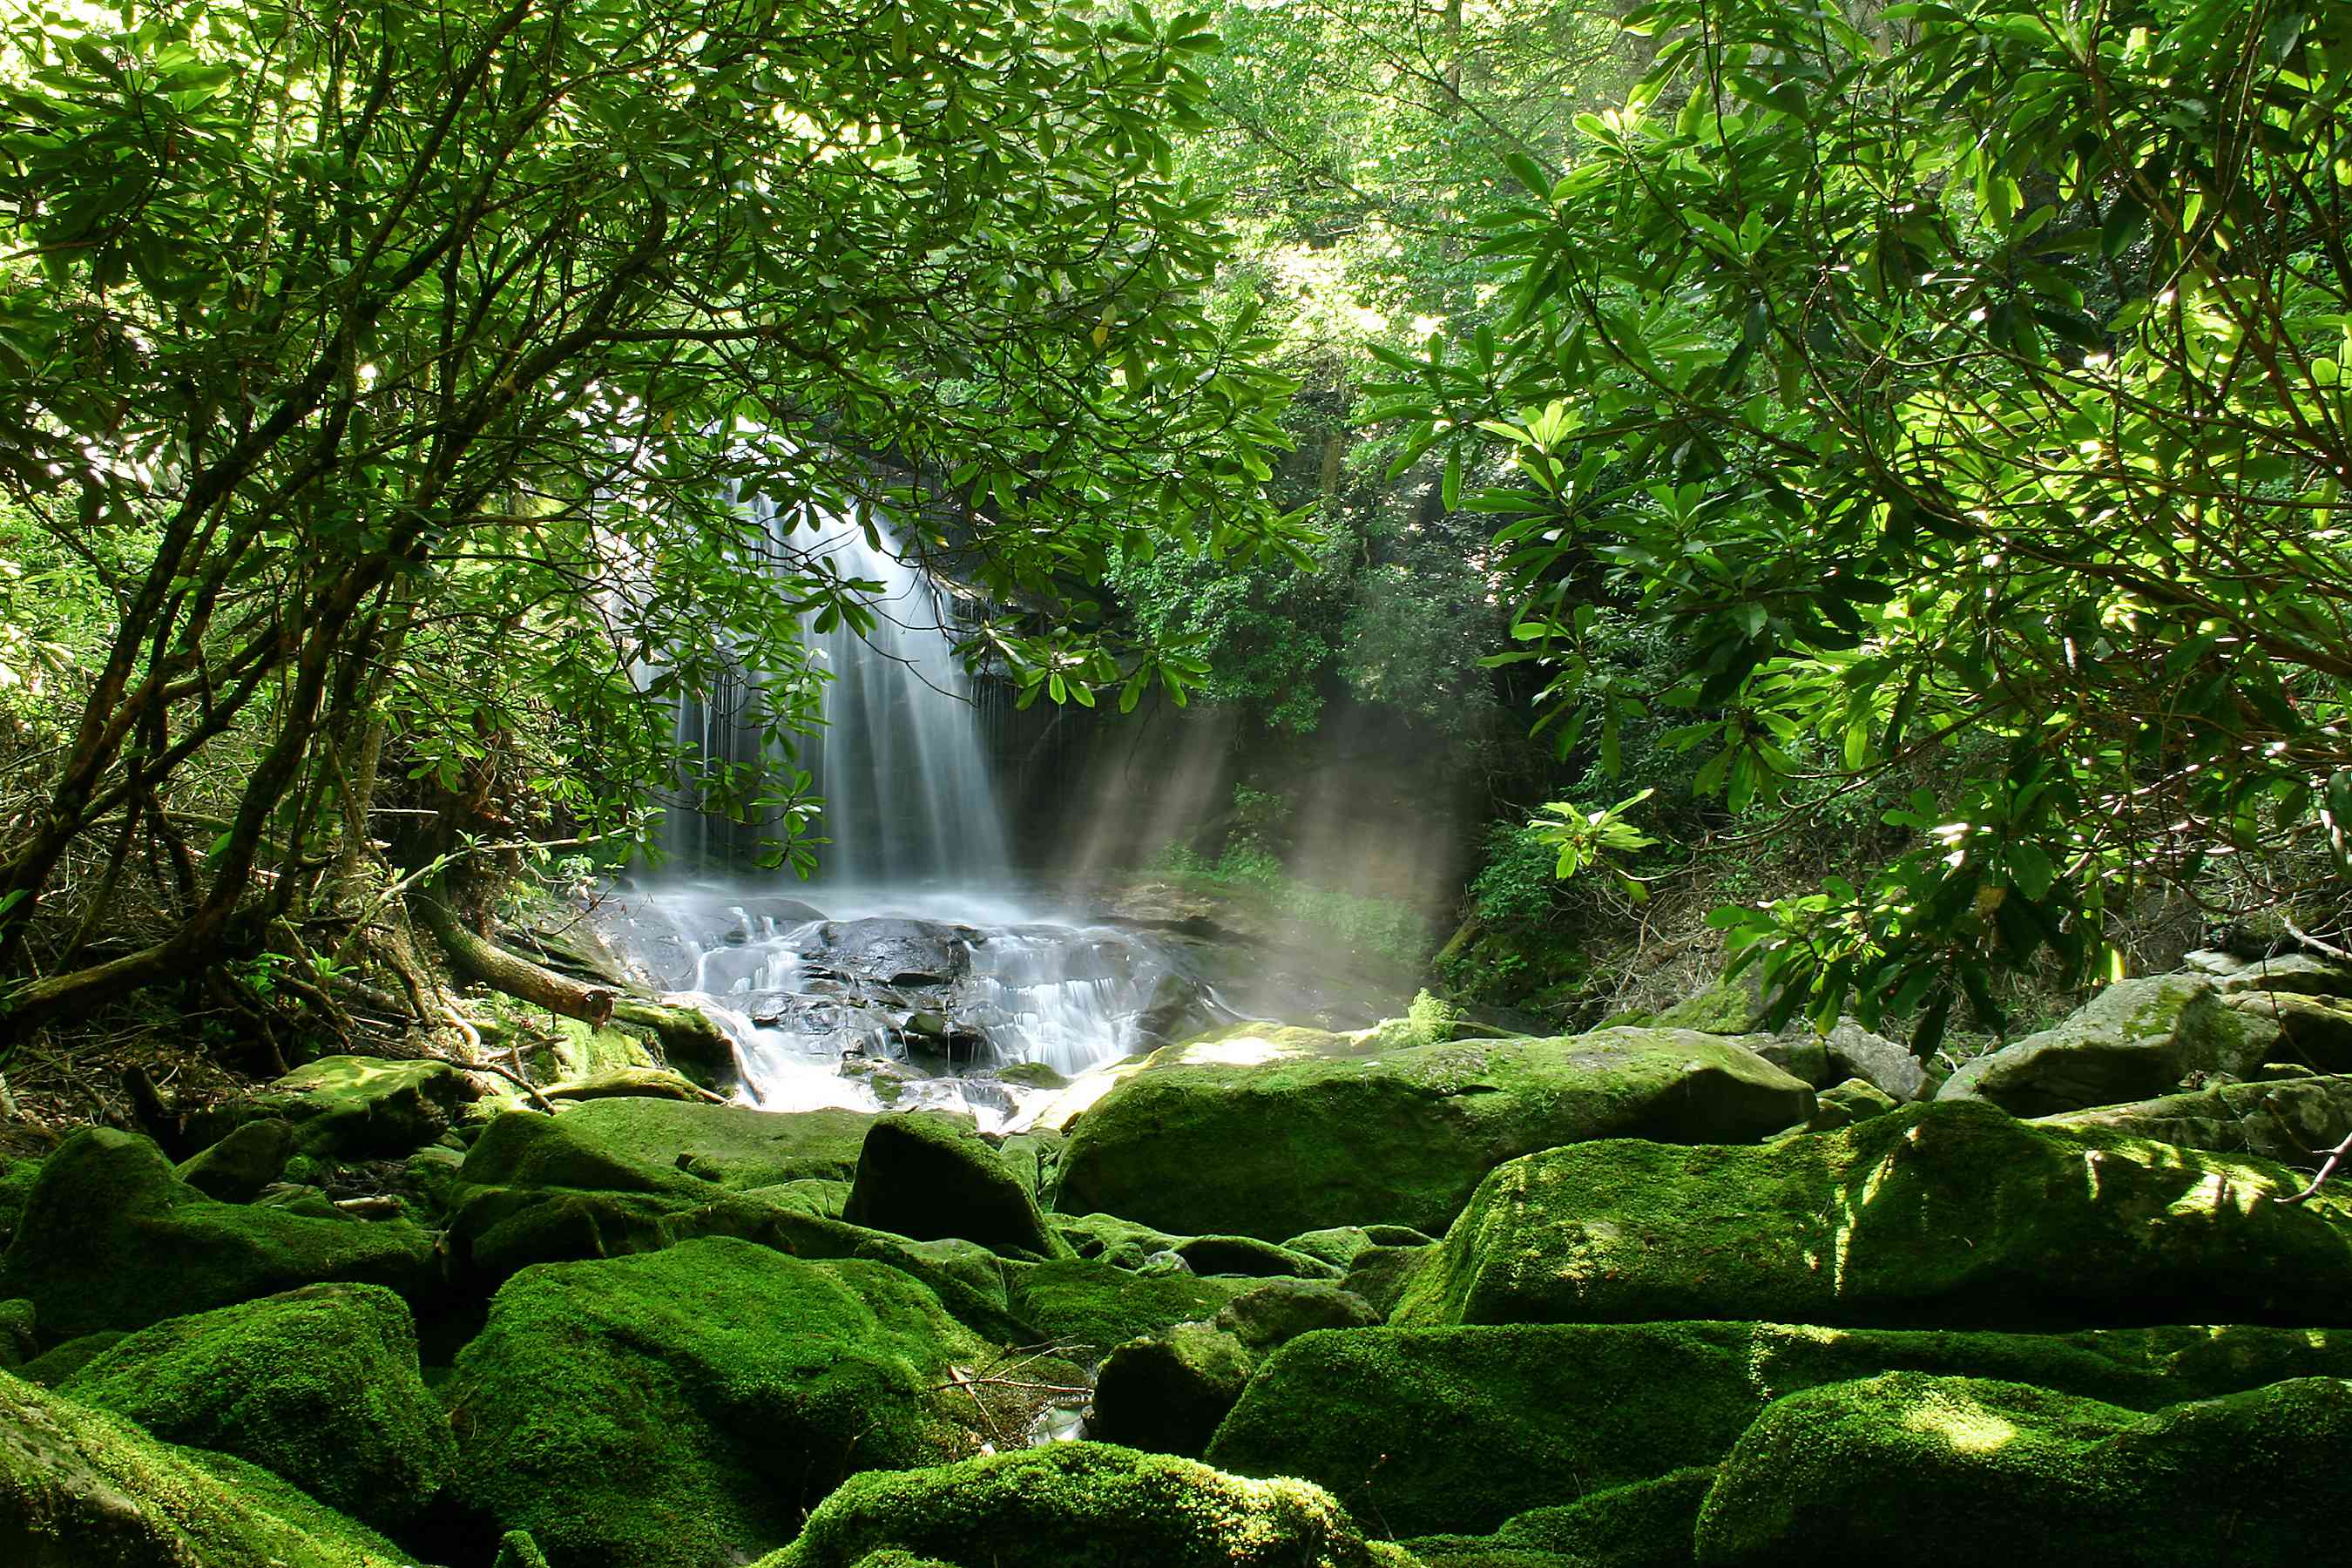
(476, 957)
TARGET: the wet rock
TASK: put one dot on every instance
(889, 952)
(2136, 1040)
(319, 1385)
(1267, 1132)
(1953, 1213)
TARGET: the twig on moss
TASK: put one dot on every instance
(2335, 1156)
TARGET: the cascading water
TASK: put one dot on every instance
(923, 974)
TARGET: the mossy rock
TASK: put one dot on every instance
(17, 1179)
(1279, 1311)
(682, 1409)
(354, 1108)
(18, 1342)
(1381, 1274)
(932, 1179)
(1247, 1255)
(1034, 1158)
(1032, 1074)
(1953, 1213)
(1092, 1307)
(1856, 1099)
(1270, 1135)
(2288, 1121)
(1083, 1505)
(1168, 1392)
(1456, 1430)
(241, 1165)
(1339, 1246)
(628, 1083)
(1649, 1524)
(52, 1367)
(2138, 1039)
(1726, 1007)
(113, 1239)
(1107, 1238)
(1931, 1470)
(82, 1487)
(319, 1385)
(632, 1144)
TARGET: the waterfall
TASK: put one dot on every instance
(899, 762)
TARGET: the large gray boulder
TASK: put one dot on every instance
(1847, 1051)
(2317, 1030)
(2136, 1040)
(1269, 1132)
(2293, 974)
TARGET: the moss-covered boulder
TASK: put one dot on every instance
(1341, 1244)
(1247, 1255)
(683, 1408)
(1279, 1311)
(1166, 1393)
(53, 1366)
(17, 1179)
(619, 1143)
(319, 1384)
(1931, 1470)
(1646, 1525)
(354, 1108)
(1856, 1099)
(1947, 1213)
(1456, 1430)
(930, 1178)
(1269, 1134)
(236, 1169)
(81, 1488)
(111, 1238)
(2286, 1119)
(617, 1176)
(1089, 1307)
(2136, 1039)
(2315, 1031)
(1083, 1505)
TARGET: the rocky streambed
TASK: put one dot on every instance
(1654, 1295)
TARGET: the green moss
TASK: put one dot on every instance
(1725, 1007)
(1247, 1255)
(1032, 1074)
(1091, 1307)
(1339, 1246)
(1166, 1392)
(635, 1145)
(809, 1195)
(1947, 1214)
(319, 1385)
(1279, 1311)
(112, 1239)
(1381, 1274)
(1405, 1426)
(347, 1107)
(1110, 1239)
(1083, 1505)
(2136, 1040)
(1646, 1525)
(17, 1179)
(53, 1367)
(1933, 1470)
(236, 1169)
(930, 1178)
(1263, 1135)
(674, 1408)
(86, 1488)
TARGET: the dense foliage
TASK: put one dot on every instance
(393, 366)
(1960, 382)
